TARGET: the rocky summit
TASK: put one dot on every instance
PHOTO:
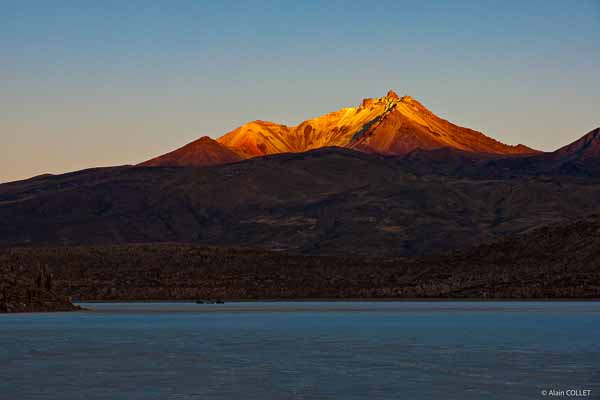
(389, 125)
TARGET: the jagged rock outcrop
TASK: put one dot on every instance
(29, 287)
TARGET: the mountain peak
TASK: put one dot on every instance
(390, 125)
(201, 152)
(587, 147)
(392, 95)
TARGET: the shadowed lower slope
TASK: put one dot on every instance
(557, 261)
(327, 201)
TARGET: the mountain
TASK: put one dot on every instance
(582, 150)
(328, 201)
(202, 152)
(407, 125)
(387, 178)
(580, 158)
(390, 125)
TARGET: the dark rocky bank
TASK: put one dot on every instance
(557, 261)
(29, 288)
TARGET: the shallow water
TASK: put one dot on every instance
(302, 350)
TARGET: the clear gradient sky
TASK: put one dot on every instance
(98, 83)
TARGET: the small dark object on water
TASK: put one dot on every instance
(210, 302)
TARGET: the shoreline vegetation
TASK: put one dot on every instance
(555, 262)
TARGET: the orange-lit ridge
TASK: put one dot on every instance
(390, 125)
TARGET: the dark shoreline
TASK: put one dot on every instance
(79, 308)
(555, 263)
(355, 300)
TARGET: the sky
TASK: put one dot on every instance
(99, 83)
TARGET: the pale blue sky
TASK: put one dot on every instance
(96, 83)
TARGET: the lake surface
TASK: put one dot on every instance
(303, 350)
